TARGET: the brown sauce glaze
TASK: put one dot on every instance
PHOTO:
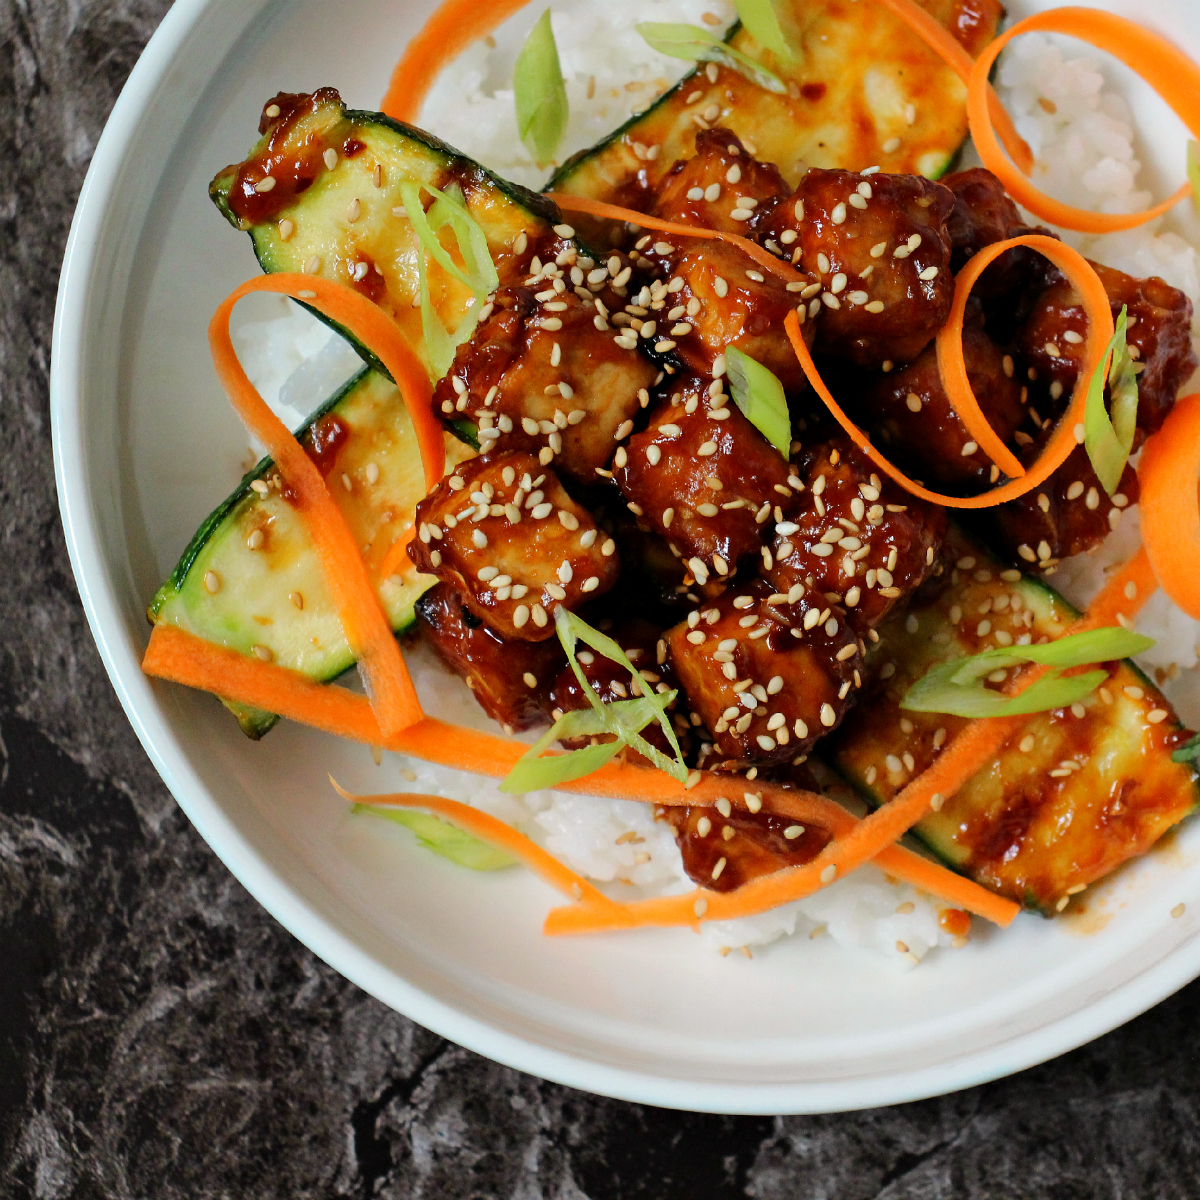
(747, 845)
(293, 162)
(328, 435)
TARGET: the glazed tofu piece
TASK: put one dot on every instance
(640, 640)
(503, 532)
(860, 541)
(910, 417)
(1069, 514)
(511, 679)
(982, 215)
(721, 298)
(767, 677)
(1050, 344)
(879, 248)
(723, 852)
(545, 373)
(721, 187)
(704, 478)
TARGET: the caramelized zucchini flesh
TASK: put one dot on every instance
(335, 207)
(1076, 793)
(250, 579)
(863, 91)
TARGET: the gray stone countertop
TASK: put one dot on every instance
(161, 1036)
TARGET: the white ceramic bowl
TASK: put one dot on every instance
(144, 447)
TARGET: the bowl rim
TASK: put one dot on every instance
(318, 930)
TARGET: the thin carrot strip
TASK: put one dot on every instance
(1171, 525)
(453, 26)
(613, 212)
(1170, 72)
(396, 559)
(498, 833)
(367, 629)
(381, 335)
(184, 658)
(1067, 434)
(942, 42)
(1126, 591)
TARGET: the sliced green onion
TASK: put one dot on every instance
(698, 45)
(570, 627)
(936, 692)
(1189, 752)
(1076, 650)
(1193, 173)
(444, 838)
(541, 97)
(480, 274)
(759, 394)
(762, 23)
(1109, 441)
(956, 687)
(532, 772)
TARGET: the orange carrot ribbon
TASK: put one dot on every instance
(1067, 434)
(1170, 522)
(366, 626)
(1168, 71)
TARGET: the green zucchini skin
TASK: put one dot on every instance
(255, 551)
(848, 98)
(1014, 827)
(290, 229)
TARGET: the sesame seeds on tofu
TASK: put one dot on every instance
(704, 478)
(767, 676)
(504, 532)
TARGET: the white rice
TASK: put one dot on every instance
(609, 71)
(1086, 156)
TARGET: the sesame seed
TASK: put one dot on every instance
(331, 158)
(255, 539)
(1155, 715)
(734, 174)
(828, 716)
(838, 215)
(829, 874)
(1178, 911)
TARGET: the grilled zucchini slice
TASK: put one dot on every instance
(1073, 797)
(335, 208)
(864, 91)
(250, 579)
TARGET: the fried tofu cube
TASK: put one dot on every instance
(722, 853)
(544, 373)
(1069, 514)
(722, 298)
(911, 419)
(861, 541)
(503, 532)
(721, 187)
(879, 248)
(704, 478)
(511, 679)
(768, 677)
(1050, 344)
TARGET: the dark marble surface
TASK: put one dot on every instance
(161, 1036)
